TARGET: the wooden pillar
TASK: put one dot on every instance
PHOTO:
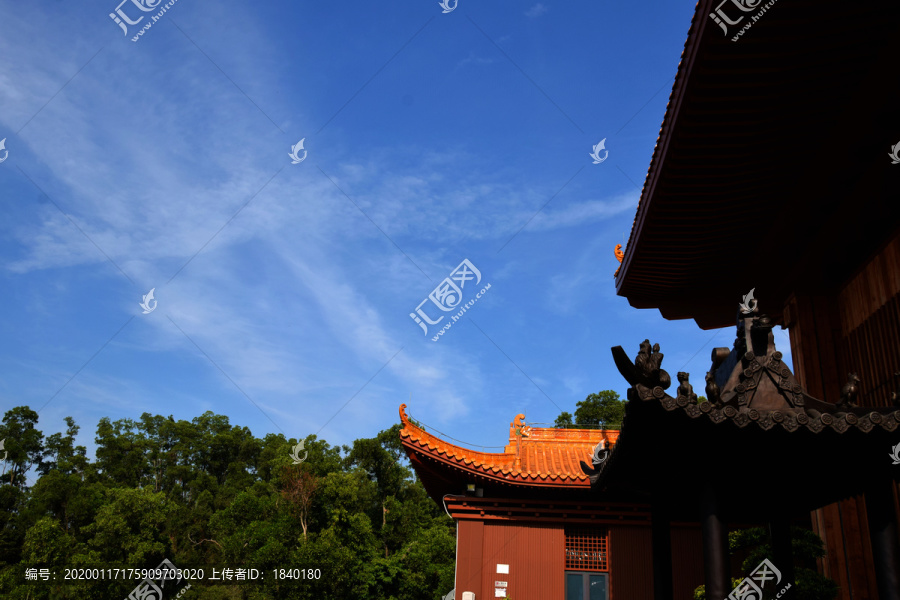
(715, 545)
(660, 528)
(783, 554)
(883, 535)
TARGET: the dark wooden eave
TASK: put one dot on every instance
(761, 441)
(773, 151)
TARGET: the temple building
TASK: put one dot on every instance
(740, 198)
(759, 449)
(772, 199)
(529, 525)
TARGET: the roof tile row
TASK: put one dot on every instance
(533, 455)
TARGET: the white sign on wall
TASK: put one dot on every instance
(503, 569)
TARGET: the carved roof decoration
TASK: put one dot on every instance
(535, 456)
(760, 439)
(751, 386)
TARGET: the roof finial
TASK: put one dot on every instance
(619, 256)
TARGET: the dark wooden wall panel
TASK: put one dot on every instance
(630, 563)
(814, 331)
(856, 330)
(687, 562)
(871, 351)
(872, 287)
(856, 539)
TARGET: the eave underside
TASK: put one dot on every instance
(772, 168)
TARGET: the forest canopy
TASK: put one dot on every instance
(205, 494)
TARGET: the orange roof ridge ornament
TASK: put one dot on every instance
(620, 256)
(518, 429)
(404, 418)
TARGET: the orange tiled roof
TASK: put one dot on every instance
(539, 456)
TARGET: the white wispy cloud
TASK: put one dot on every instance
(298, 298)
(536, 11)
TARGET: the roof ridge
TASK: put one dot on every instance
(543, 455)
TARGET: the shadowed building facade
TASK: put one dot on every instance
(739, 195)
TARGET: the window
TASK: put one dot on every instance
(586, 586)
(586, 549)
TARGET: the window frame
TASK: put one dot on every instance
(586, 582)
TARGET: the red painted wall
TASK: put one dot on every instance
(536, 558)
(536, 552)
(468, 558)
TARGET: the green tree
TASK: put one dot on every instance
(346, 550)
(380, 458)
(420, 569)
(564, 421)
(64, 456)
(603, 408)
(206, 493)
(121, 453)
(128, 529)
(298, 486)
(806, 547)
(13, 523)
(24, 443)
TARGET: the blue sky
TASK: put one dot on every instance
(285, 290)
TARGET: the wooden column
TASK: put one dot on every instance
(660, 527)
(883, 535)
(783, 554)
(715, 545)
